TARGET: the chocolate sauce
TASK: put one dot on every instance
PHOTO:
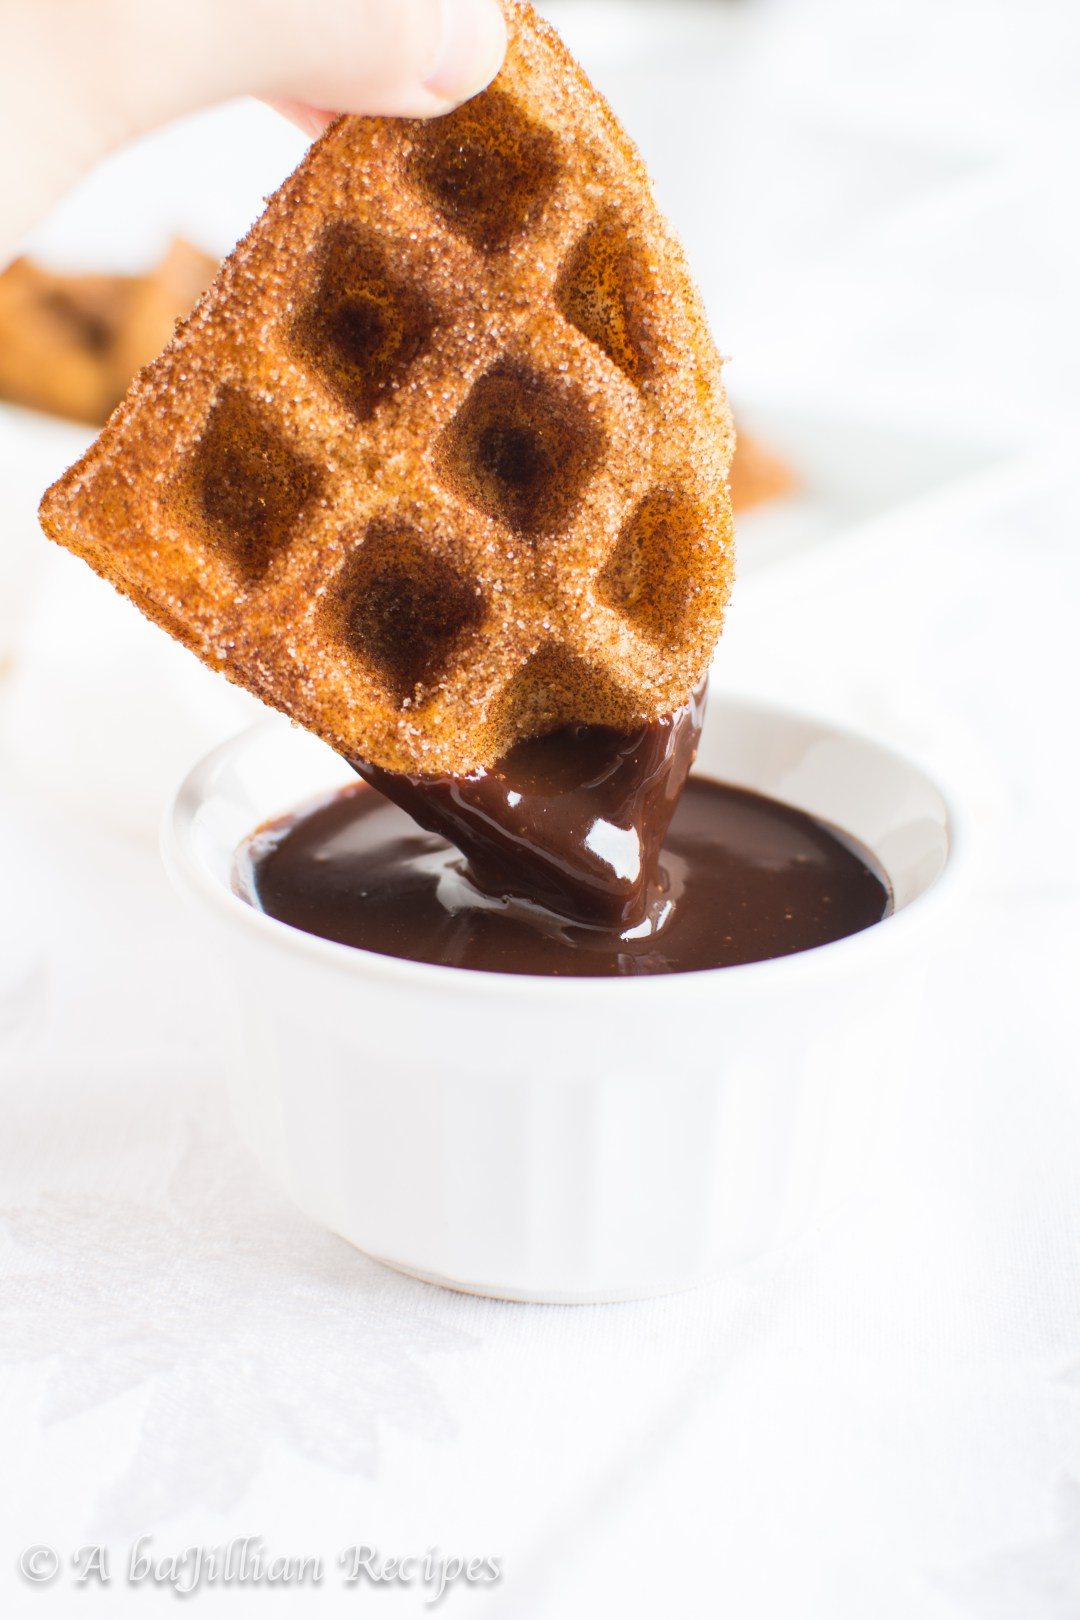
(573, 822)
(739, 878)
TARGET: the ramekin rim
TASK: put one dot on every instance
(191, 876)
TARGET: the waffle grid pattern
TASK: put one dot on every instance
(442, 459)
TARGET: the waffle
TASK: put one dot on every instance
(70, 344)
(758, 474)
(55, 336)
(155, 303)
(440, 461)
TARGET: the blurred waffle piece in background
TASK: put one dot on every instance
(155, 303)
(70, 344)
(56, 336)
(758, 474)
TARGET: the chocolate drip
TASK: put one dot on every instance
(573, 822)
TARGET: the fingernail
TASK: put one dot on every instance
(471, 51)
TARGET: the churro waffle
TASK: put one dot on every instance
(56, 333)
(440, 461)
(155, 302)
(758, 474)
(70, 344)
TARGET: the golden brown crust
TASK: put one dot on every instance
(442, 456)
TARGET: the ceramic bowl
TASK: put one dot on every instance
(573, 1140)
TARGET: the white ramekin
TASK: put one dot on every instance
(565, 1140)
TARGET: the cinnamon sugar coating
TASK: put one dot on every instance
(440, 461)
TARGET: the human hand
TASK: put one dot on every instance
(77, 78)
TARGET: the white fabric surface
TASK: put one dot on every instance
(884, 1420)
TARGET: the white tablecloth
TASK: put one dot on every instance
(883, 1420)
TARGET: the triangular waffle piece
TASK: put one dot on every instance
(441, 459)
(56, 335)
(70, 344)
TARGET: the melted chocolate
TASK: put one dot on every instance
(573, 822)
(741, 878)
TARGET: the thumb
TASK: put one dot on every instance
(77, 79)
(411, 58)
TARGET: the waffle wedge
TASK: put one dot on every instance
(440, 461)
(56, 337)
(70, 344)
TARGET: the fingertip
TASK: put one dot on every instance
(394, 75)
(471, 51)
(311, 121)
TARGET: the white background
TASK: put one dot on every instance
(880, 201)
